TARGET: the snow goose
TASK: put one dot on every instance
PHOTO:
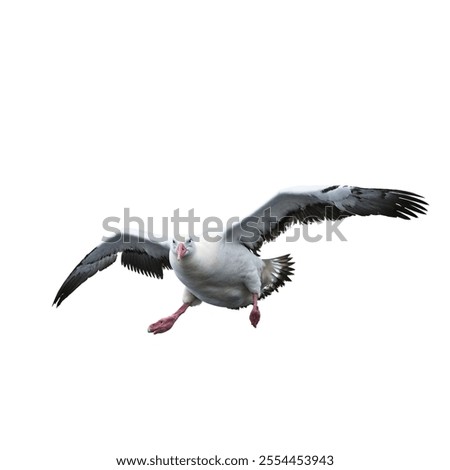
(228, 271)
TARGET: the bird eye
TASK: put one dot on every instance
(173, 241)
(189, 240)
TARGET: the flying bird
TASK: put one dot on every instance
(228, 271)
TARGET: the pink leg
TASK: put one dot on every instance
(166, 323)
(254, 314)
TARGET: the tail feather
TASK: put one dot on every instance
(276, 273)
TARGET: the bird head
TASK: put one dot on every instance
(183, 248)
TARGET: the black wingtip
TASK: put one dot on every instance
(58, 299)
(408, 204)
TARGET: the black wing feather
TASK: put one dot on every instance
(330, 203)
(139, 254)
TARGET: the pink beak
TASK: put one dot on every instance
(181, 251)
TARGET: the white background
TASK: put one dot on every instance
(216, 106)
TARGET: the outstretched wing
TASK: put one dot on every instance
(139, 253)
(307, 205)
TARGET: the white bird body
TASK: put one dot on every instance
(228, 272)
(220, 274)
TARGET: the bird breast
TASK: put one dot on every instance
(220, 273)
